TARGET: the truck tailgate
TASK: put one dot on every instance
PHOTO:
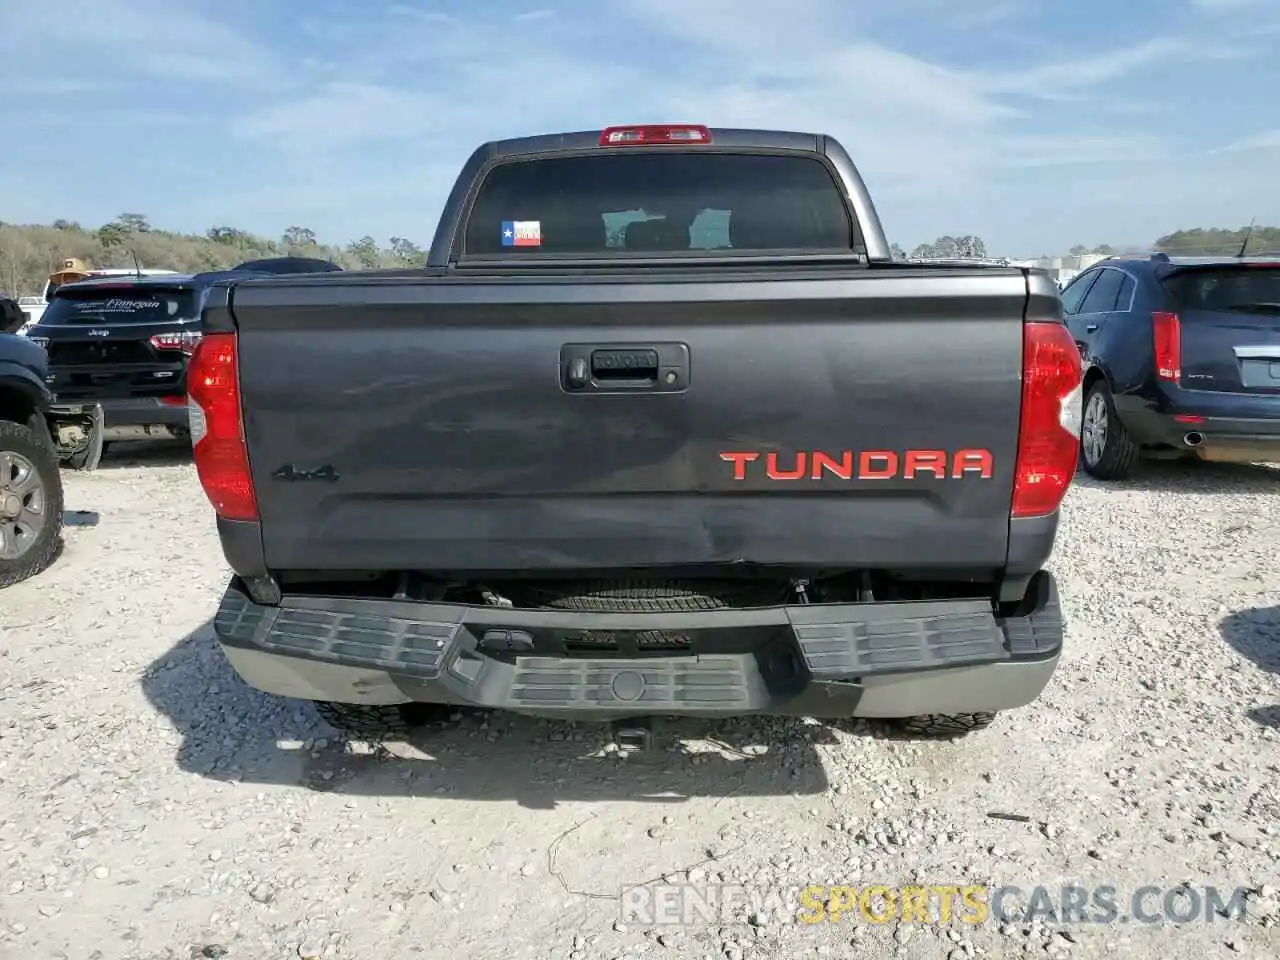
(818, 417)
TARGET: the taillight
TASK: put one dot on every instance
(1166, 338)
(649, 134)
(1049, 433)
(217, 432)
(186, 342)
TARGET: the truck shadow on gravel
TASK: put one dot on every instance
(146, 453)
(1191, 476)
(231, 732)
(1254, 633)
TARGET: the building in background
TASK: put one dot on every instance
(1062, 269)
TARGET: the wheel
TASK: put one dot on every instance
(944, 725)
(30, 503)
(380, 721)
(1106, 449)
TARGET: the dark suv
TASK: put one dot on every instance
(119, 347)
(1182, 358)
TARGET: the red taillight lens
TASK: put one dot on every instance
(186, 342)
(1166, 338)
(1049, 434)
(217, 433)
(649, 134)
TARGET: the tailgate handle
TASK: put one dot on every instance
(634, 365)
(624, 367)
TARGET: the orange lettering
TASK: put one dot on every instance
(774, 472)
(842, 468)
(967, 461)
(925, 461)
(739, 461)
(868, 471)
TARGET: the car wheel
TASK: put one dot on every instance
(945, 725)
(1106, 450)
(30, 503)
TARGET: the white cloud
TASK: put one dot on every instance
(171, 40)
(363, 121)
(341, 114)
(1262, 141)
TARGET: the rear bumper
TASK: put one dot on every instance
(837, 660)
(1230, 427)
(148, 411)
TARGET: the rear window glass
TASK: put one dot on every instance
(1225, 288)
(105, 307)
(659, 203)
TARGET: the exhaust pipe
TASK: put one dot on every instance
(1193, 439)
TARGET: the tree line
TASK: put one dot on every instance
(1195, 242)
(29, 253)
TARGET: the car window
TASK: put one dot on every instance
(119, 303)
(618, 202)
(1102, 295)
(1125, 295)
(1227, 287)
(1076, 289)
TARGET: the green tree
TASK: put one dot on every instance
(1220, 242)
(112, 235)
(134, 223)
(407, 251)
(296, 238)
(366, 251)
(229, 236)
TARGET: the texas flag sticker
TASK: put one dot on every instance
(522, 233)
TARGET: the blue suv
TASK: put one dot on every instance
(1182, 358)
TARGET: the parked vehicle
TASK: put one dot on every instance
(121, 345)
(11, 316)
(30, 484)
(661, 428)
(71, 271)
(1182, 359)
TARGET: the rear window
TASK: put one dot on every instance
(659, 203)
(118, 305)
(1225, 288)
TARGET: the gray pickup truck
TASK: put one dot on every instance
(659, 429)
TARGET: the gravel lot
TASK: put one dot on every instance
(152, 806)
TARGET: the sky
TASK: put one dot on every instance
(1034, 124)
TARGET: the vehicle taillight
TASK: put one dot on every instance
(217, 432)
(1166, 338)
(649, 134)
(1049, 434)
(186, 342)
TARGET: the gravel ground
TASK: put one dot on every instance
(152, 806)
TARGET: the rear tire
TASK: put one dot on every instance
(26, 445)
(380, 721)
(945, 725)
(1106, 449)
